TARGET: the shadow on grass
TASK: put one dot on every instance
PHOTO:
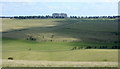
(97, 31)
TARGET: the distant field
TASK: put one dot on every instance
(55, 39)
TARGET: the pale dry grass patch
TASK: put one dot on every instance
(31, 63)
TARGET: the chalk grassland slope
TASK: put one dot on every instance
(62, 29)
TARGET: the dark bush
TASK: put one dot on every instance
(51, 40)
(114, 47)
(43, 37)
(31, 38)
(29, 49)
(105, 47)
(88, 47)
(74, 48)
(101, 47)
(95, 47)
(118, 47)
(64, 40)
(52, 36)
(115, 42)
(10, 58)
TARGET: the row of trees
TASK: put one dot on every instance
(47, 16)
(35, 17)
(96, 47)
(95, 17)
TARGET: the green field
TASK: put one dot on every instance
(55, 51)
(55, 39)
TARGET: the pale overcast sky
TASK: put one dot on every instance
(71, 7)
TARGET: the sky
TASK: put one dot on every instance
(71, 7)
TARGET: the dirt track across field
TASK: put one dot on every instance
(26, 63)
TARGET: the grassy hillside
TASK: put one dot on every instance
(69, 30)
(55, 39)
